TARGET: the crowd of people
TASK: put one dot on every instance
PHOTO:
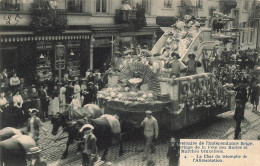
(73, 93)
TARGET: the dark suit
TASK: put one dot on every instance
(238, 116)
(5, 78)
(44, 103)
(90, 149)
(173, 155)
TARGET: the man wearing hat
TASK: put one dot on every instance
(89, 154)
(238, 116)
(44, 102)
(151, 131)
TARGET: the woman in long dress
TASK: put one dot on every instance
(75, 105)
(62, 98)
(77, 90)
(54, 105)
(18, 104)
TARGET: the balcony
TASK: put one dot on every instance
(49, 19)
(125, 16)
(9, 6)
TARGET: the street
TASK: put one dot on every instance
(220, 127)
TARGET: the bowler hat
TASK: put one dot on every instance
(34, 150)
(86, 127)
(148, 112)
(33, 110)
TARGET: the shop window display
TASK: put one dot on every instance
(73, 58)
(43, 66)
(74, 6)
(9, 5)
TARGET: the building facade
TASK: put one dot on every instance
(92, 30)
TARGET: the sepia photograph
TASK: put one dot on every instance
(129, 82)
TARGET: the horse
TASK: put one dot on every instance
(106, 128)
(14, 147)
(8, 132)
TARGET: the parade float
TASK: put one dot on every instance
(143, 83)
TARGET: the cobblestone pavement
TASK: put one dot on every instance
(220, 127)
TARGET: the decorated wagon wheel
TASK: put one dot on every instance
(145, 73)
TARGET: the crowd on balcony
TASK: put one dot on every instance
(16, 99)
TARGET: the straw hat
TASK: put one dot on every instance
(33, 110)
(34, 150)
(148, 112)
(86, 127)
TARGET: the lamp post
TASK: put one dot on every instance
(112, 50)
(60, 60)
(92, 40)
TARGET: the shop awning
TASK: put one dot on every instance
(164, 29)
(8, 36)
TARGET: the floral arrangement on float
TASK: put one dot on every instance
(180, 35)
(202, 93)
(133, 86)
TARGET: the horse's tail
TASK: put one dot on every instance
(114, 123)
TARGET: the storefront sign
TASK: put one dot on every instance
(44, 45)
(102, 42)
(75, 43)
(257, 10)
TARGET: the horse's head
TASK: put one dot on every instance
(56, 121)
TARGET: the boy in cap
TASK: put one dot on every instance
(150, 131)
(89, 154)
(34, 124)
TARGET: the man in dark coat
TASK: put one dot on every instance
(254, 95)
(241, 93)
(173, 153)
(44, 102)
(238, 116)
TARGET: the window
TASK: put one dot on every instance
(167, 3)
(145, 5)
(244, 25)
(74, 6)
(246, 5)
(199, 4)
(101, 6)
(243, 37)
(252, 36)
(9, 5)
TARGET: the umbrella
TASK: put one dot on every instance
(128, 51)
(145, 51)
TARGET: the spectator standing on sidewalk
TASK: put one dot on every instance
(44, 102)
(151, 131)
(14, 82)
(173, 153)
(254, 95)
(241, 93)
(238, 116)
